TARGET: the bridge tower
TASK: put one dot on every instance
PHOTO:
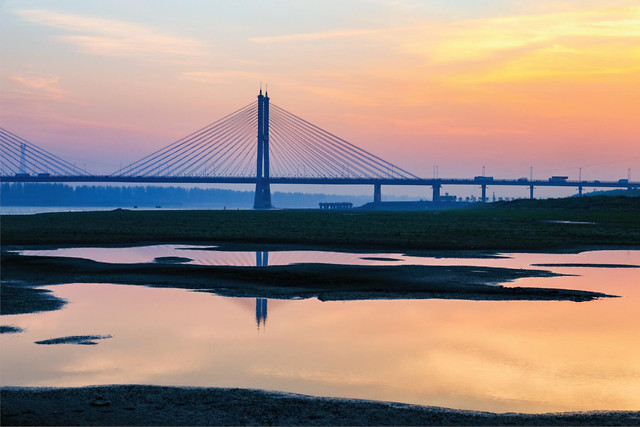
(263, 189)
(23, 148)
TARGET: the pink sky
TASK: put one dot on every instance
(553, 85)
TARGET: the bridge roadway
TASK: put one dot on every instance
(435, 183)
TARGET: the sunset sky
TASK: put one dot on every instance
(460, 84)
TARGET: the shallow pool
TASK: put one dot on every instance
(524, 356)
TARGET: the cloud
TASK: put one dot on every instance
(335, 34)
(113, 38)
(30, 89)
(219, 76)
(480, 39)
(438, 42)
(47, 85)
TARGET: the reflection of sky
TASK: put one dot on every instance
(490, 355)
(142, 254)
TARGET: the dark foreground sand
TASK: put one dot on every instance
(154, 405)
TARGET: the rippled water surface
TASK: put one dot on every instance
(530, 356)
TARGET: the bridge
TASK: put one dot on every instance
(259, 144)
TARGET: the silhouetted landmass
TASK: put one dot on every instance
(519, 225)
(171, 260)
(75, 339)
(634, 192)
(18, 298)
(328, 282)
(614, 203)
(161, 405)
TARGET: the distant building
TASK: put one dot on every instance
(448, 198)
(338, 205)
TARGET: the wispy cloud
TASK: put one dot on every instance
(480, 39)
(48, 85)
(323, 35)
(31, 88)
(113, 38)
(220, 76)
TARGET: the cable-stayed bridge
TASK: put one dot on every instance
(259, 144)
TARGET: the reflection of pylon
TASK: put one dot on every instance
(261, 312)
(262, 260)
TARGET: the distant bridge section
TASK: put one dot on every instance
(435, 183)
(20, 158)
(259, 144)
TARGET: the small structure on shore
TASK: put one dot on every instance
(337, 205)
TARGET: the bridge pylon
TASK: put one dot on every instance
(262, 198)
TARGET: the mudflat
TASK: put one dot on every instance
(157, 405)
(322, 281)
(519, 226)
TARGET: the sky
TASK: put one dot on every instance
(458, 84)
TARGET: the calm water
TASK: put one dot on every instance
(210, 255)
(486, 355)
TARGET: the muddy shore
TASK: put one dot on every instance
(323, 281)
(497, 229)
(157, 405)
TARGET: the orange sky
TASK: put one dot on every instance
(553, 85)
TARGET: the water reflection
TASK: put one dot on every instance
(262, 260)
(211, 255)
(261, 312)
(530, 356)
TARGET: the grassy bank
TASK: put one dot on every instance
(520, 225)
(155, 405)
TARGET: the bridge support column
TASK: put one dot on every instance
(262, 198)
(484, 193)
(436, 193)
(377, 193)
(531, 192)
(580, 190)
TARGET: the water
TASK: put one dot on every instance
(30, 210)
(212, 255)
(524, 356)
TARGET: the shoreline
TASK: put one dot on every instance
(164, 405)
(327, 282)
(483, 232)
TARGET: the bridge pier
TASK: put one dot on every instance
(484, 193)
(531, 192)
(377, 193)
(580, 190)
(436, 193)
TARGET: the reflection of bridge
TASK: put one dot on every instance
(259, 144)
(262, 260)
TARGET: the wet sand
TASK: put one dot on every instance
(157, 405)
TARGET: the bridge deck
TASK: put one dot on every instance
(316, 180)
